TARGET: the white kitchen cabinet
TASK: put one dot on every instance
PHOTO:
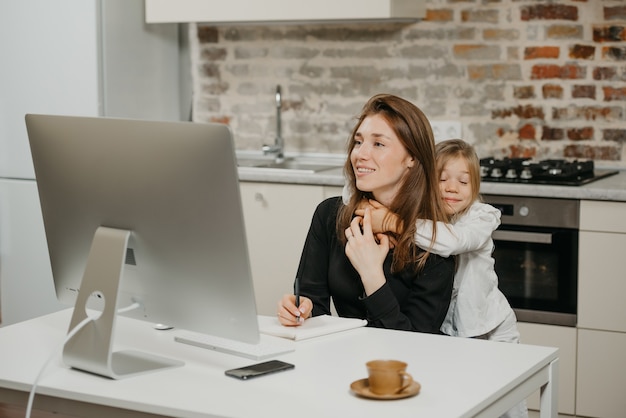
(603, 216)
(70, 57)
(277, 218)
(601, 280)
(601, 369)
(565, 339)
(330, 191)
(233, 11)
(30, 291)
(601, 374)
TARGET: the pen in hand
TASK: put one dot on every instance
(297, 292)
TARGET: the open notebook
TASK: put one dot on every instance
(312, 327)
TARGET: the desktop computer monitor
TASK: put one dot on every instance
(145, 214)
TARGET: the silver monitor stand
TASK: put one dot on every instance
(91, 348)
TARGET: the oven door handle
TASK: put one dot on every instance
(520, 236)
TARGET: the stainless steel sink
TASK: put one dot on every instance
(303, 165)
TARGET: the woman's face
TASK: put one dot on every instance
(456, 185)
(379, 159)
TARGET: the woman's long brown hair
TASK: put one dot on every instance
(418, 196)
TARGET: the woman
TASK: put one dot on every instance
(392, 160)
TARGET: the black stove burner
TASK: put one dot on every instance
(554, 171)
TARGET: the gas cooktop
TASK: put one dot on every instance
(555, 172)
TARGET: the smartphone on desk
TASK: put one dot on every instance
(259, 369)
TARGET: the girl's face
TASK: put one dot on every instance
(455, 185)
(379, 159)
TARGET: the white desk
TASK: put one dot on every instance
(459, 377)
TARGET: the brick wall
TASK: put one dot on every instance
(544, 79)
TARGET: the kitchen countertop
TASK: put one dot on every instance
(611, 188)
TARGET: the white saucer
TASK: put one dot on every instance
(361, 388)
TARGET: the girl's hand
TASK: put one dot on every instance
(383, 220)
(288, 312)
(365, 253)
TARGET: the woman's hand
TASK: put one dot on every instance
(366, 253)
(288, 312)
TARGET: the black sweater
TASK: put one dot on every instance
(407, 301)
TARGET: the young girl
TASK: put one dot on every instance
(478, 308)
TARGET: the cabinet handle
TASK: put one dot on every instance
(520, 236)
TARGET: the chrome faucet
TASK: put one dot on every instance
(278, 148)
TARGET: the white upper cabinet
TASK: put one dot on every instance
(282, 11)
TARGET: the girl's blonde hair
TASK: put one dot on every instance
(457, 148)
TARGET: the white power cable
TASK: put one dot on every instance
(81, 325)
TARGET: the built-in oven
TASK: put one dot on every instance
(536, 257)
